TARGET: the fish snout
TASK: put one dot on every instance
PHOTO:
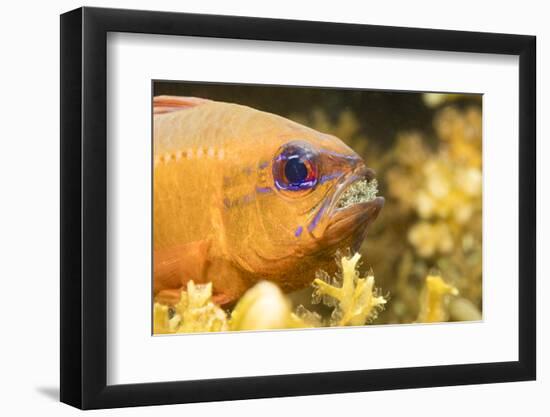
(349, 163)
(355, 203)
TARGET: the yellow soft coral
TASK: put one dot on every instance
(262, 307)
(430, 238)
(265, 307)
(434, 300)
(162, 322)
(354, 298)
(195, 312)
(198, 312)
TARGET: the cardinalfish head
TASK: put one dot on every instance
(313, 195)
(328, 188)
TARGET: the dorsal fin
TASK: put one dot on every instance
(168, 104)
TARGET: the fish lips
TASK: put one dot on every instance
(352, 221)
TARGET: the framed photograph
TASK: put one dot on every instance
(258, 208)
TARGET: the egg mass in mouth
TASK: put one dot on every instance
(360, 191)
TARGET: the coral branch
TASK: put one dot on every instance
(434, 300)
(356, 301)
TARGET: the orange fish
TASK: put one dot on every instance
(240, 195)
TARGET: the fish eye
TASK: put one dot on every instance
(296, 170)
(295, 167)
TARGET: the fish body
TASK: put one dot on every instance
(241, 195)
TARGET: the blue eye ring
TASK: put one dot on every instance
(295, 167)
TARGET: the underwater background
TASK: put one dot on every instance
(424, 251)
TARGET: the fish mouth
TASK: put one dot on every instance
(359, 188)
(354, 205)
(359, 191)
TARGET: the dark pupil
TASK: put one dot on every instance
(295, 171)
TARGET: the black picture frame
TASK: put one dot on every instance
(84, 207)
